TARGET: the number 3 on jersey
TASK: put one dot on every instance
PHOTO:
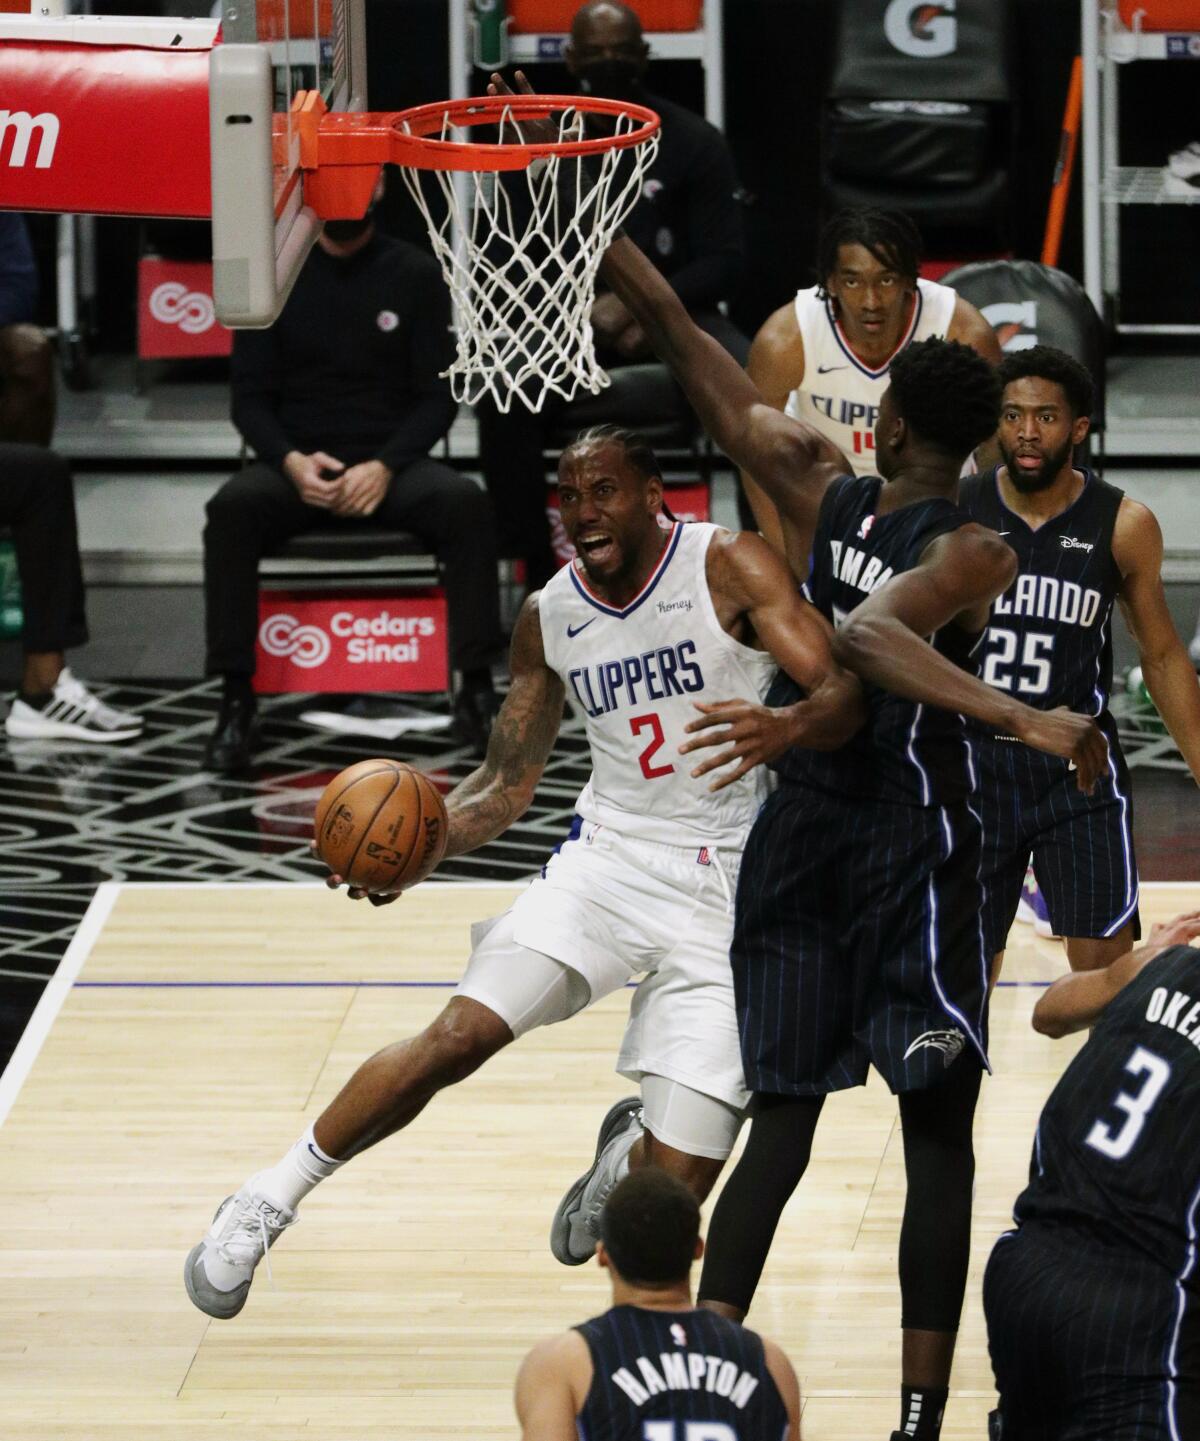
(1032, 671)
(1117, 1145)
(651, 722)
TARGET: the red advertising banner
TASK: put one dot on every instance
(105, 130)
(176, 317)
(687, 502)
(312, 642)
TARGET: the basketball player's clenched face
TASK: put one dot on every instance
(872, 298)
(609, 511)
(1037, 433)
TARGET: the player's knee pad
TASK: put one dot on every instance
(524, 988)
(687, 1120)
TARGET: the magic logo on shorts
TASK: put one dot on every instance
(654, 675)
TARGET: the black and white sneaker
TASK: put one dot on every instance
(72, 713)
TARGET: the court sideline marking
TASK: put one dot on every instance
(60, 985)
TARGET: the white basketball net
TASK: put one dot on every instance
(520, 251)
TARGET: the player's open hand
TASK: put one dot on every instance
(356, 893)
(751, 734)
(533, 131)
(1180, 931)
(1063, 732)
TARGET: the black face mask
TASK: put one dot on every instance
(611, 79)
(342, 231)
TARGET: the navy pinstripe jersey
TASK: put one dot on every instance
(1049, 640)
(906, 752)
(656, 1371)
(1117, 1152)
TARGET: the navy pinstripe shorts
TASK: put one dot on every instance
(1082, 846)
(1088, 1343)
(857, 942)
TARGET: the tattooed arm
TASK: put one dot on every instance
(499, 792)
(494, 796)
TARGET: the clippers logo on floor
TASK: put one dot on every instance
(307, 643)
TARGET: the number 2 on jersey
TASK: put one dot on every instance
(651, 722)
(1116, 1146)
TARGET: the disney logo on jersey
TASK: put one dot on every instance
(665, 607)
(852, 567)
(654, 675)
(1070, 543)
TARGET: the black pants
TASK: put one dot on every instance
(257, 510)
(511, 451)
(37, 502)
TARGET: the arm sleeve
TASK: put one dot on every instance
(255, 386)
(430, 351)
(18, 272)
(714, 225)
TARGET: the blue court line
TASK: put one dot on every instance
(332, 985)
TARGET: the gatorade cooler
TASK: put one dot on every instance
(532, 16)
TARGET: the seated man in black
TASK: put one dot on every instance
(341, 402)
(688, 221)
(26, 353)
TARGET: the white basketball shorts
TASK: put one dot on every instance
(611, 909)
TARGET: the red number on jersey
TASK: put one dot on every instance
(650, 722)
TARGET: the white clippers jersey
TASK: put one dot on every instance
(637, 672)
(839, 395)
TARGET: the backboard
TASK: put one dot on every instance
(262, 229)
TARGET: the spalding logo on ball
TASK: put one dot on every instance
(381, 825)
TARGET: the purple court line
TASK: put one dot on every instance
(332, 985)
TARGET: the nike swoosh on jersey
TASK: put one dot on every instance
(825, 369)
(573, 630)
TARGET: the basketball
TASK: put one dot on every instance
(380, 825)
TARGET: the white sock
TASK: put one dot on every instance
(287, 1183)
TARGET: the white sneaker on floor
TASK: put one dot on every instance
(71, 713)
(219, 1270)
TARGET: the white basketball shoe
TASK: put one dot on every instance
(576, 1225)
(72, 713)
(219, 1270)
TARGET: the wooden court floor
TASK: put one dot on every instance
(190, 1033)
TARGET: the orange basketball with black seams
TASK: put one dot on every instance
(380, 825)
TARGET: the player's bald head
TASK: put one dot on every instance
(608, 15)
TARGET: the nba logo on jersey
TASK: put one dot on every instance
(678, 1334)
(864, 529)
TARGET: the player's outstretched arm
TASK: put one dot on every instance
(791, 461)
(1077, 1000)
(548, 1392)
(776, 366)
(749, 580)
(523, 734)
(960, 574)
(1166, 667)
(784, 1377)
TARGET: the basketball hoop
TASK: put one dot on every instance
(526, 222)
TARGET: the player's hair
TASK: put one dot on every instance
(638, 450)
(889, 235)
(649, 1226)
(948, 393)
(1047, 362)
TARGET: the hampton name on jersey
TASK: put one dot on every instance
(1049, 641)
(839, 394)
(637, 672)
(677, 1373)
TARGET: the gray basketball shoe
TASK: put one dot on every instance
(219, 1270)
(576, 1225)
